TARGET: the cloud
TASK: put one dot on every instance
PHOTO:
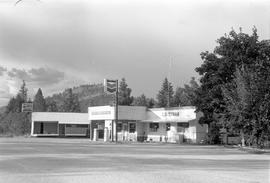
(50, 80)
(5, 92)
(46, 76)
(2, 70)
(17, 73)
(37, 76)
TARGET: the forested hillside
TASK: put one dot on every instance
(88, 95)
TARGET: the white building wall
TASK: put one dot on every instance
(131, 113)
(172, 134)
(108, 124)
(59, 117)
(140, 128)
(158, 135)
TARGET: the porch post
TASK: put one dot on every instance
(32, 128)
(90, 131)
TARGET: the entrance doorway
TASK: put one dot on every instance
(99, 125)
(125, 131)
(61, 130)
(100, 134)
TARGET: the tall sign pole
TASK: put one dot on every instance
(168, 87)
(111, 86)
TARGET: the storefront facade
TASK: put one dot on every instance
(178, 124)
(135, 123)
(59, 124)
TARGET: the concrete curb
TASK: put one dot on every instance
(254, 150)
(251, 150)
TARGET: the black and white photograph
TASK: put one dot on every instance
(134, 91)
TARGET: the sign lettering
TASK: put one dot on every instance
(101, 113)
(170, 113)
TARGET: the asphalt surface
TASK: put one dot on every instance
(55, 160)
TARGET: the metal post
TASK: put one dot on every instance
(90, 130)
(112, 130)
(32, 124)
(116, 110)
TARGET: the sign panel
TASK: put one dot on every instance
(101, 113)
(172, 115)
(27, 107)
(110, 86)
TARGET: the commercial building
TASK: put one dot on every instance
(135, 123)
(59, 124)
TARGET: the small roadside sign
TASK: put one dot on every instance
(27, 107)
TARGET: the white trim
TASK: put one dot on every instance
(75, 134)
(46, 134)
(32, 128)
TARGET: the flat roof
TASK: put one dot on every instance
(138, 113)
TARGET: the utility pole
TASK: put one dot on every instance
(168, 85)
(116, 110)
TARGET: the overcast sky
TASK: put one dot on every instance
(54, 45)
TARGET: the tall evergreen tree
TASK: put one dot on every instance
(181, 97)
(184, 96)
(14, 121)
(15, 104)
(165, 94)
(71, 102)
(125, 97)
(11, 105)
(23, 92)
(39, 102)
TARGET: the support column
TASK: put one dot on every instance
(106, 134)
(32, 128)
(90, 130)
(95, 135)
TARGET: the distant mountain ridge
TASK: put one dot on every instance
(88, 95)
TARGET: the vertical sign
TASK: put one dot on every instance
(111, 86)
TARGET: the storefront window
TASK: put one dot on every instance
(125, 127)
(181, 127)
(119, 127)
(153, 127)
(132, 127)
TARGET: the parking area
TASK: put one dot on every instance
(57, 160)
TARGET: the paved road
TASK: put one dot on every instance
(54, 160)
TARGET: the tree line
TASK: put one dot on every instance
(166, 96)
(16, 122)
